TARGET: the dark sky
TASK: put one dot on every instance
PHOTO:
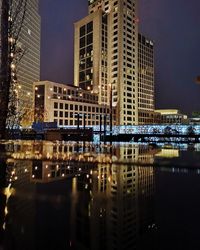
(174, 25)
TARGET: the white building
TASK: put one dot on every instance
(172, 116)
(106, 55)
(68, 105)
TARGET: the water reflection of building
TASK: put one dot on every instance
(86, 152)
(113, 205)
(48, 171)
(20, 206)
(111, 197)
(168, 153)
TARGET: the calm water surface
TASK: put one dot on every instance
(85, 196)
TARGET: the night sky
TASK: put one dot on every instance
(174, 25)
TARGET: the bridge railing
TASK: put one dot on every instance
(157, 129)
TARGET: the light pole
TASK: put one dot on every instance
(111, 110)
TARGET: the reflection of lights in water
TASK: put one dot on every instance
(168, 153)
(8, 192)
(88, 152)
(6, 210)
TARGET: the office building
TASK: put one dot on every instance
(27, 64)
(172, 116)
(106, 55)
(146, 95)
(67, 105)
(29, 40)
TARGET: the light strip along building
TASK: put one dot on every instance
(60, 103)
(106, 55)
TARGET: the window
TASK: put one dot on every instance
(89, 39)
(82, 42)
(89, 27)
(82, 31)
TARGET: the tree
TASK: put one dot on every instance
(4, 67)
(12, 20)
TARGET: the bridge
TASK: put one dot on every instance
(180, 138)
(155, 133)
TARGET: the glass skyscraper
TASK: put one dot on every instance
(28, 43)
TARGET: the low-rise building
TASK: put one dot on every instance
(68, 105)
(172, 116)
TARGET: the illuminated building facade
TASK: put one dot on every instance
(146, 91)
(29, 41)
(106, 55)
(67, 105)
(172, 116)
(28, 46)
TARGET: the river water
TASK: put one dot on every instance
(60, 196)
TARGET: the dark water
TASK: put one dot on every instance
(84, 196)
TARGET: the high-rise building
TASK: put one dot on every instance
(106, 55)
(28, 43)
(146, 99)
(29, 40)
